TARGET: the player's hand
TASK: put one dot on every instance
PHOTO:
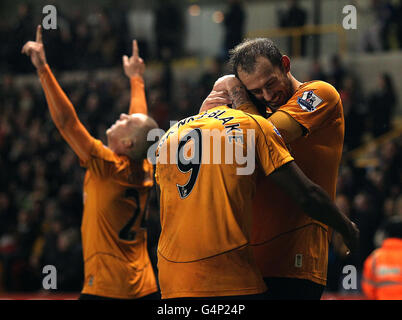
(35, 50)
(226, 83)
(215, 99)
(352, 239)
(134, 66)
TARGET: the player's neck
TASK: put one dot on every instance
(295, 83)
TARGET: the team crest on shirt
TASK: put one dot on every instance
(309, 101)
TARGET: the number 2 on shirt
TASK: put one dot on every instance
(126, 233)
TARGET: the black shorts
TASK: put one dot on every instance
(259, 296)
(293, 289)
(152, 296)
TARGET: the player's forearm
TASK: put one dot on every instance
(239, 96)
(64, 115)
(61, 109)
(138, 102)
(319, 206)
(241, 100)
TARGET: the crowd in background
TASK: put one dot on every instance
(41, 179)
(86, 39)
(385, 31)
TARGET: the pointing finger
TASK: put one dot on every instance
(135, 49)
(39, 34)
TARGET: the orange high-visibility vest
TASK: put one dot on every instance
(382, 274)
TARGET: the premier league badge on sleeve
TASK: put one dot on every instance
(276, 131)
(309, 101)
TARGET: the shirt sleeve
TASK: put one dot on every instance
(314, 105)
(64, 115)
(104, 163)
(138, 102)
(271, 151)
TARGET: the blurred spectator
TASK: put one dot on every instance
(293, 17)
(234, 22)
(337, 72)
(212, 73)
(317, 72)
(370, 196)
(382, 104)
(19, 33)
(169, 28)
(383, 10)
(383, 268)
(398, 22)
(398, 206)
(354, 112)
(367, 217)
(377, 35)
(80, 41)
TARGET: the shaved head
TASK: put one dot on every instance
(140, 126)
(128, 136)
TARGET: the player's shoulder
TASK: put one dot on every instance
(313, 94)
(255, 118)
(110, 159)
(265, 125)
(104, 162)
(100, 151)
(321, 88)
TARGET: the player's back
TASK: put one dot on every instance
(205, 170)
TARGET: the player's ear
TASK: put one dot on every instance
(127, 143)
(285, 63)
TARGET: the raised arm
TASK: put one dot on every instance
(134, 68)
(315, 202)
(61, 109)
